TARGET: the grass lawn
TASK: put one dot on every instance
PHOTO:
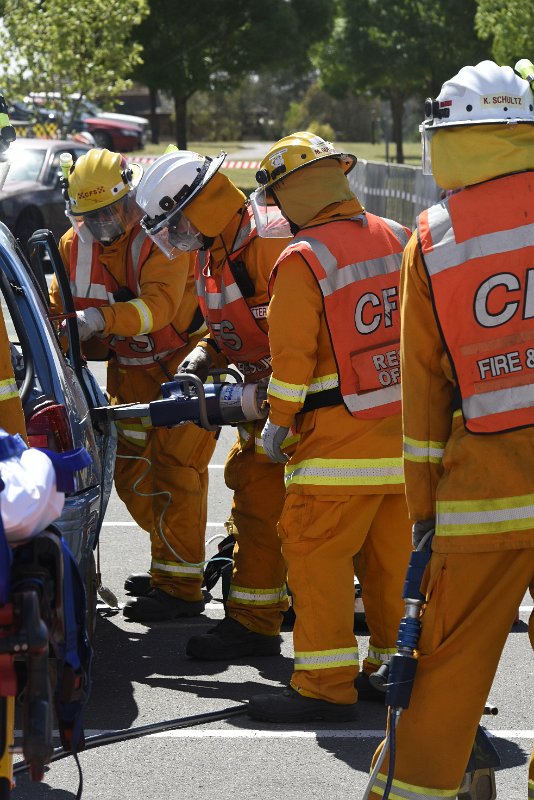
(244, 178)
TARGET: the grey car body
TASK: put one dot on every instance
(31, 196)
(58, 392)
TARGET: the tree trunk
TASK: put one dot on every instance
(154, 119)
(180, 111)
(397, 111)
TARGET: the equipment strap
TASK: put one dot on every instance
(328, 397)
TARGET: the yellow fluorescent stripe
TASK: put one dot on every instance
(424, 792)
(486, 504)
(323, 382)
(422, 459)
(345, 472)
(145, 315)
(420, 443)
(485, 528)
(293, 392)
(315, 653)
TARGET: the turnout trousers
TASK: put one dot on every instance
(472, 602)
(325, 538)
(258, 592)
(162, 478)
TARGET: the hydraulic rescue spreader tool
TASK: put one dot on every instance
(187, 399)
(397, 679)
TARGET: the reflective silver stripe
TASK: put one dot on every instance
(323, 383)
(259, 597)
(480, 517)
(8, 389)
(81, 286)
(339, 278)
(293, 392)
(228, 294)
(383, 656)
(425, 452)
(145, 315)
(501, 400)
(346, 472)
(448, 253)
(176, 568)
(135, 249)
(327, 659)
(398, 231)
(139, 362)
(373, 399)
(407, 791)
(244, 233)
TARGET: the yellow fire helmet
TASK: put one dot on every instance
(295, 152)
(100, 178)
(101, 189)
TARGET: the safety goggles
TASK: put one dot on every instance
(174, 234)
(270, 222)
(108, 223)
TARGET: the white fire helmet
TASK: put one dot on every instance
(479, 95)
(167, 187)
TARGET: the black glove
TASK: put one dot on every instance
(420, 530)
(198, 363)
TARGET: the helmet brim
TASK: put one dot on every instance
(214, 166)
(347, 161)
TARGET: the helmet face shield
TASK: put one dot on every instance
(4, 169)
(426, 139)
(108, 223)
(174, 235)
(270, 222)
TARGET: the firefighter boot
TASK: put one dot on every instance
(157, 605)
(228, 640)
(138, 583)
(290, 706)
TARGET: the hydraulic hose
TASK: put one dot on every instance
(101, 739)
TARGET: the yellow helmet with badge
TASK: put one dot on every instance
(100, 193)
(295, 152)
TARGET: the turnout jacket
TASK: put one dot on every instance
(337, 452)
(465, 345)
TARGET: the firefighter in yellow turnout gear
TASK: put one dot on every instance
(468, 412)
(189, 204)
(334, 331)
(133, 303)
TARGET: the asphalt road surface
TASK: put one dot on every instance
(142, 676)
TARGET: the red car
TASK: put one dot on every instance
(113, 135)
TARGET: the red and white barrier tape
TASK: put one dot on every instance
(227, 164)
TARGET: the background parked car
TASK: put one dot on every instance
(58, 392)
(120, 132)
(31, 197)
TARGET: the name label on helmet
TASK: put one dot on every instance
(504, 100)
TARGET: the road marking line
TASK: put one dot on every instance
(130, 524)
(278, 734)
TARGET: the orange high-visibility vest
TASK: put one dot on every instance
(93, 286)
(356, 264)
(232, 322)
(478, 251)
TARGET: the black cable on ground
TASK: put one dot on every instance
(102, 739)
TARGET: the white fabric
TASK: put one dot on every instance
(272, 438)
(90, 322)
(30, 501)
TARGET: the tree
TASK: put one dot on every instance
(69, 47)
(215, 43)
(508, 26)
(397, 49)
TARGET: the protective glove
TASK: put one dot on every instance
(271, 439)
(90, 323)
(420, 530)
(198, 363)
